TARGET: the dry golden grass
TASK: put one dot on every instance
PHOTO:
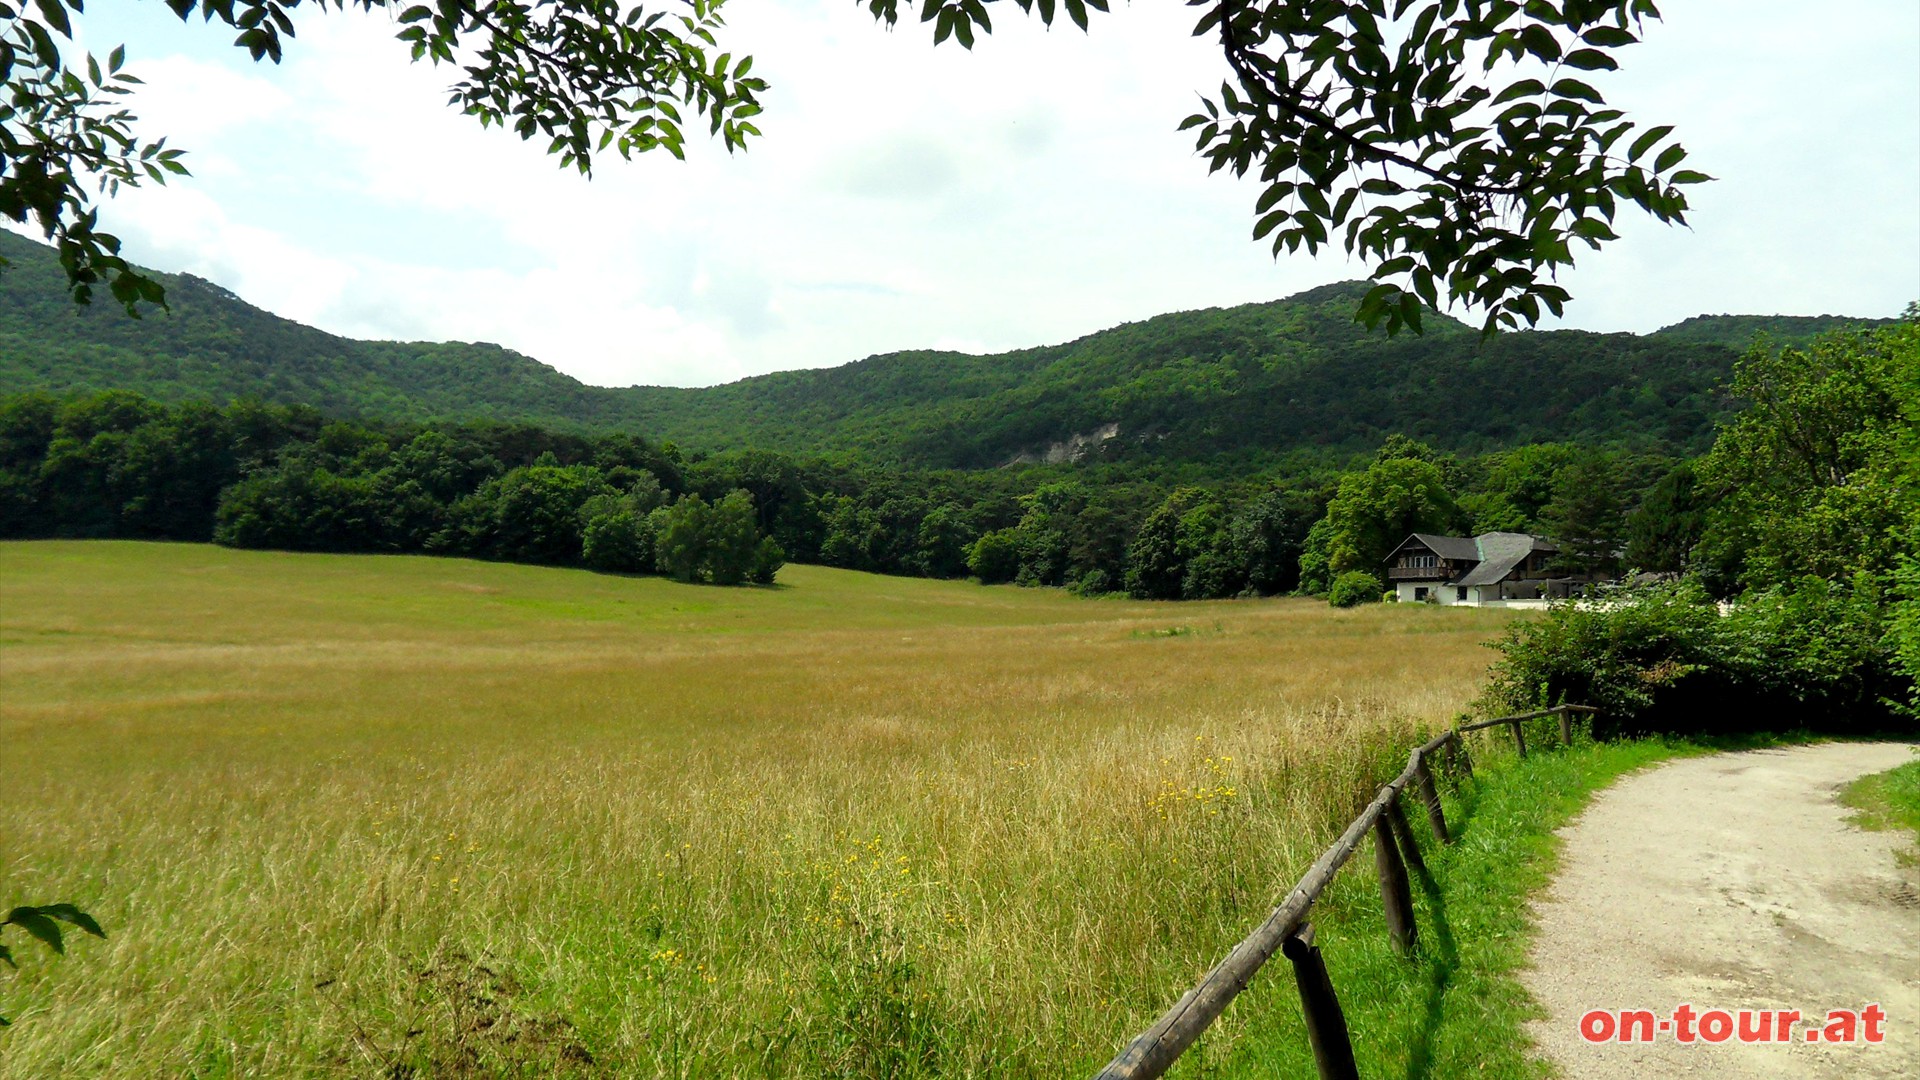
(358, 816)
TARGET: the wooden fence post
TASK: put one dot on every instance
(1403, 836)
(1519, 737)
(1326, 1024)
(1461, 757)
(1429, 794)
(1566, 727)
(1396, 895)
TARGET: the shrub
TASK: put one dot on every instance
(680, 537)
(532, 514)
(718, 542)
(1668, 659)
(1353, 588)
(1095, 582)
(768, 558)
(995, 557)
(619, 541)
(732, 543)
(1903, 623)
(299, 506)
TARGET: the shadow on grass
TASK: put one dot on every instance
(1438, 961)
(1439, 957)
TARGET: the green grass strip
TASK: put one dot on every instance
(1888, 800)
(1457, 1008)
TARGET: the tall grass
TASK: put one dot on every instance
(406, 816)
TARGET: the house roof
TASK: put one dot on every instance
(1495, 554)
(1458, 548)
(1500, 552)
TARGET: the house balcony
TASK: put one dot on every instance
(1417, 573)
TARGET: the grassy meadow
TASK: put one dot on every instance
(399, 816)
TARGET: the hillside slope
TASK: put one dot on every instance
(1247, 382)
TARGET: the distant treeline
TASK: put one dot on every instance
(247, 474)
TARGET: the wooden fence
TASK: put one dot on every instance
(1287, 930)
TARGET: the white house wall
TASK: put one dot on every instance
(1443, 594)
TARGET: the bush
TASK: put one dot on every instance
(618, 542)
(680, 537)
(1666, 659)
(694, 540)
(1095, 582)
(1903, 623)
(533, 514)
(1353, 588)
(732, 543)
(995, 557)
(300, 507)
(768, 558)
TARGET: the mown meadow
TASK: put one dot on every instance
(405, 816)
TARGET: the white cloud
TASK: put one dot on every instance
(1031, 191)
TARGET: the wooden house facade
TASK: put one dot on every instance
(1492, 568)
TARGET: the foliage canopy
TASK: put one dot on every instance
(1456, 144)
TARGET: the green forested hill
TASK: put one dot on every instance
(1251, 382)
(1740, 331)
(215, 346)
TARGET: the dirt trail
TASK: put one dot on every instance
(1730, 882)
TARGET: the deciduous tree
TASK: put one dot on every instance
(1376, 509)
(1461, 146)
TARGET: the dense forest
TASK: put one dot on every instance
(116, 464)
(1217, 394)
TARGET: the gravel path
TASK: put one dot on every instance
(1732, 882)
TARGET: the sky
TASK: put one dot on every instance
(905, 196)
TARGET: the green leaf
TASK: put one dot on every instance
(1608, 37)
(1410, 312)
(1688, 176)
(1539, 41)
(1574, 88)
(1590, 60)
(44, 50)
(1593, 229)
(1273, 194)
(56, 16)
(1645, 142)
(1669, 157)
(1523, 88)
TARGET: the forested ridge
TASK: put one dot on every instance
(1236, 388)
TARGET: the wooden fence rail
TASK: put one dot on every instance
(1287, 931)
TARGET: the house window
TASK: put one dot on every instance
(1420, 560)
(1460, 594)
(1420, 594)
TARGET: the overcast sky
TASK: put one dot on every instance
(904, 196)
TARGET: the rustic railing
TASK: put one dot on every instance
(1287, 931)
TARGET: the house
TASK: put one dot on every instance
(1492, 568)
